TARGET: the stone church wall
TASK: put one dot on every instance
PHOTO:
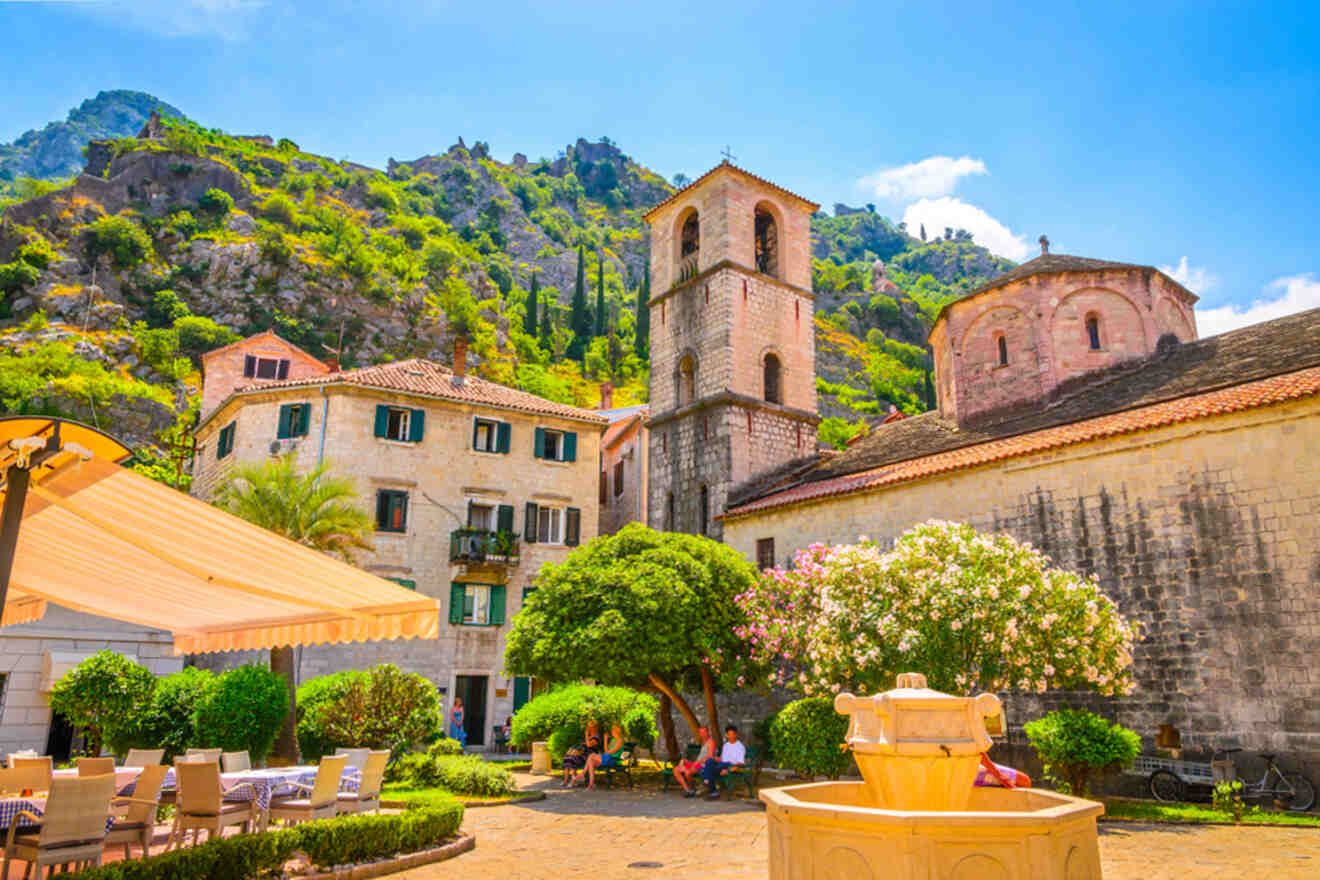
(1206, 533)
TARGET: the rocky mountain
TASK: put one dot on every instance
(174, 243)
(55, 151)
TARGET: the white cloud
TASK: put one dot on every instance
(1292, 294)
(1197, 279)
(226, 19)
(936, 214)
(930, 178)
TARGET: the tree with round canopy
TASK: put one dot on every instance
(656, 611)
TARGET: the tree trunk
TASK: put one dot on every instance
(712, 712)
(282, 664)
(667, 727)
(688, 715)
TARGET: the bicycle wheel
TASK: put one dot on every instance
(1293, 791)
(1165, 786)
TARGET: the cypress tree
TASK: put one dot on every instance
(600, 295)
(547, 331)
(533, 297)
(642, 341)
(577, 318)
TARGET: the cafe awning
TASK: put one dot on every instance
(103, 539)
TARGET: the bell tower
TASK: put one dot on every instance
(733, 351)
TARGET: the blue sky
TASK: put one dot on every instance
(1182, 135)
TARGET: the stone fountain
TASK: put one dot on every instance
(918, 815)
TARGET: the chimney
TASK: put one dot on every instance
(1044, 245)
(460, 359)
(606, 395)
(332, 364)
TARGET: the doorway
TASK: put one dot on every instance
(472, 690)
(59, 742)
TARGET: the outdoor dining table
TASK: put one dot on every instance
(10, 807)
(270, 781)
(124, 777)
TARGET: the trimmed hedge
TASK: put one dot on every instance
(569, 708)
(807, 735)
(326, 842)
(461, 774)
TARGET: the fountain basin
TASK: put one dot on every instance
(838, 831)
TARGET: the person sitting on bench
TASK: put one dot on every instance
(732, 754)
(609, 758)
(686, 771)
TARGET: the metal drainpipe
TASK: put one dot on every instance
(325, 415)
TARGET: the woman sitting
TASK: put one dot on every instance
(687, 771)
(575, 759)
(609, 758)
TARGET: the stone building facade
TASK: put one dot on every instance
(732, 343)
(624, 467)
(474, 486)
(1184, 474)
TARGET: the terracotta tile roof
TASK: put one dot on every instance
(262, 335)
(429, 379)
(726, 164)
(620, 424)
(1250, 395)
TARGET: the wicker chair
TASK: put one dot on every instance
(320, 801)
(71, 828)
(367, 798)
(42, 768)
(201, 804)
(233, 762)
(138, 823)
(95, 766)
(17, 780)
(204, 755)
(25, 753)
(144, 757)
(357, 758)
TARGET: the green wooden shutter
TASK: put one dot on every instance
(411, 585)
(572, 526)
(504, 518)
(497, 605)
(416, 425)
(476, 424)
(522, 691)
(286, 422)
(570, 446)
(456, 593)
(304, 419)
(529, 524)
(382, 420)
(538, 448)
(502, 432)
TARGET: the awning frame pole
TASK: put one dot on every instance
(17, 480)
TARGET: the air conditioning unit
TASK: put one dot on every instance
(279, 447)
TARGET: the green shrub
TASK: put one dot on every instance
(36, 252)
(185, 224)
(126, 242)
(572, 706)
(280, 208)
(166, 308)
(243, 857)
(807, 736)
(1227, 798)
(384, 709)
(168, 722)
(471, 774)
(312, 695)
(1073, 744)
(159, 349)
(243, 711)
(105, 694)
(382, 196)
(17, 275)
(351, 839)
(443, 747)
(216, 202)
(199, 334)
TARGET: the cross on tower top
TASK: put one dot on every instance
(727, 154)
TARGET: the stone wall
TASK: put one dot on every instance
(222, 369)
(628, 504)
(1205, 533)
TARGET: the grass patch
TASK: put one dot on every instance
(424, 797)
(1151, 811)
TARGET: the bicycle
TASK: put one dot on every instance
(1291, 791)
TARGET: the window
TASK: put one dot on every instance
(552, 525)
(604, 488)
(704, 511)
(555, 445)
(1093, 332)
(1003, 352)
(294, 418)
(687, 380)
(399, 423)
(4, 681)
(618, 479)
(225, 444)
(690, 239)
(772, 393)
(265, 368)
(765, 553)
(391, 510)
(490, 436)
(669, 512)
(476, 604)
(549, 525)
(767, 243)
(481, 516)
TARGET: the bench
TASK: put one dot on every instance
(667, 772)
(622, 767)
(743, 773)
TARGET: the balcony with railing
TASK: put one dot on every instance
(483, 546)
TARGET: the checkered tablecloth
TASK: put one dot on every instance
(272, 782)
(11, 807)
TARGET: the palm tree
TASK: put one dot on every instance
(311, 508)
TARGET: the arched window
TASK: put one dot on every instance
(669, 512)
(773, 393)
(704, 513)
(687, 380)
(1003, 351)
(767, 242)
(1093, 331)
(690, 240)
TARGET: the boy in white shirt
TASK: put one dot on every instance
(732, 755)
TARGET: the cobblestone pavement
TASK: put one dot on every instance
(599, 834)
